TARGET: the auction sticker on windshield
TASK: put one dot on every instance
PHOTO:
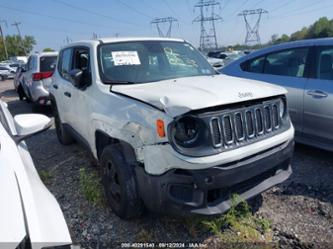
(125, 58)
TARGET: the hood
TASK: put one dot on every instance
(12, 227)
(178, 96)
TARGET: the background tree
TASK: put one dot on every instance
(16, 46)
(48, 50)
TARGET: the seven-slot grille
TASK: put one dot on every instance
(239, 126)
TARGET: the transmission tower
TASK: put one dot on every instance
(3, 37)
(17, 24)
(252, 32)
(159, 21)
(208, 38)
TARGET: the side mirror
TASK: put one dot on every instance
(76, 77)
(217, 65)
(28, 125)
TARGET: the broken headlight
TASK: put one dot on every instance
(188, 132)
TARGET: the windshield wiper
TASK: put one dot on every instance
(118, 82)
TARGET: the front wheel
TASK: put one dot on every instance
(119, 183)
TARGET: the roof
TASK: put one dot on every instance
(123, 39)
(292, 44)
(46, 54)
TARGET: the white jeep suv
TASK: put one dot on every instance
(170, 133)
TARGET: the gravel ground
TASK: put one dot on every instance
(301, 209)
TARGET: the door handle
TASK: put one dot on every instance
(55, 86)
(317, 94)
(67, 94)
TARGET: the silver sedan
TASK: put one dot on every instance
(305, 69)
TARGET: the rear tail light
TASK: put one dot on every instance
(43, 75)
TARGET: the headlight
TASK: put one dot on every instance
(187, 131)
(282, 108)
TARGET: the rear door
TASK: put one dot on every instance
(27, 76)
(286, 68)
(62, 87)
(318, 98)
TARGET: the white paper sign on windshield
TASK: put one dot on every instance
(125, 58)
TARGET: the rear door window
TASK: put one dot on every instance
(254, 66)
(289, 62)
(47, 63)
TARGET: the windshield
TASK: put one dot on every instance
(148, 61)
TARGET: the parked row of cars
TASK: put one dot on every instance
(8, 69)
(171, 134)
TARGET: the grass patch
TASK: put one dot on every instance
(91, 187)
(45, 176)
(144, 236)
(239, 225)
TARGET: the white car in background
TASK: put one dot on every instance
(30, 215)
(36, 77)
(5, 73)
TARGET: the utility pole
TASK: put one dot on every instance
(252, 32)
(20, 36)
(158, 21)
(208, 38)
(67, 40)
(3, 37)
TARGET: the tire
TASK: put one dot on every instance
(63, 135)
(20, 92)
(2, 78)
(119, 183)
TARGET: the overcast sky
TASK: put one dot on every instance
(52, 21)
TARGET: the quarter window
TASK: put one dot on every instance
(325, 64)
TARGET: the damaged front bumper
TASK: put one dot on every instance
(208, 191)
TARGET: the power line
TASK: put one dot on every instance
(134, 9)
(169, 7)
(52, 17)
(242, 5)
(256, 4)
(158, 21)
(252, 32)
(226, 4)
(296, 11)
(93, 13)
(288, 2)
